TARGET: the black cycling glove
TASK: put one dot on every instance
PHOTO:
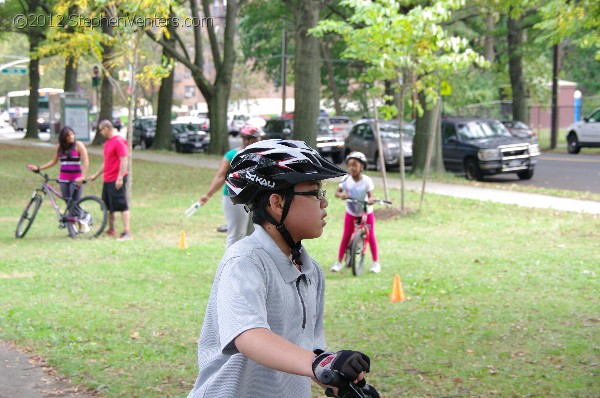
(347, 363)
(370, 391)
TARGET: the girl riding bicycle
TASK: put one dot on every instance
(356, 185)
(74, 163)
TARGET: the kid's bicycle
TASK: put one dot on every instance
(85, 218)
(357, 245)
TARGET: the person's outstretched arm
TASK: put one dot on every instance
(273, 351)
(217, 181)
(85, 161)
(48, 164)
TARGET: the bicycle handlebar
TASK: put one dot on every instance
(46, 177)
(375, 201)
(346, 389)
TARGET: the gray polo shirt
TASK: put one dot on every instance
(257, 286)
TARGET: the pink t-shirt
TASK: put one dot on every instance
(114, 149)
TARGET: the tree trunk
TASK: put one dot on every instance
(515, 70)
(70, 85)
(106, 89)
(307, 69)
(217, 111)
(34, 85)
(162, 139)
(489, 52)
(421, 140)
(335, 95)
(399, 102)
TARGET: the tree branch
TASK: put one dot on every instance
(212, 37)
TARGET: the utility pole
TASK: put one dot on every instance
(283, 69)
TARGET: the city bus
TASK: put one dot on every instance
(16, 103)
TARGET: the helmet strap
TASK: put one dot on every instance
(296, 247)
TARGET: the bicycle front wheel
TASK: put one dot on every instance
(88, 218)
(357, 252)
(28, 216)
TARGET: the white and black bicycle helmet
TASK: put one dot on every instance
(276, 166)
(273, 165)
(358, 156)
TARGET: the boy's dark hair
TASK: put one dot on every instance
(261, 202)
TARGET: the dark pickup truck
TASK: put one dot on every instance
(479, 147)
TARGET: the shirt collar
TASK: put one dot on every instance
(286, 268)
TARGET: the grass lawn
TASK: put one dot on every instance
(503, 301)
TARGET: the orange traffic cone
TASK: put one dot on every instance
(397, 291)
(182, 241)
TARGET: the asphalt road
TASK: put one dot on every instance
(561, 171)
(554, 170)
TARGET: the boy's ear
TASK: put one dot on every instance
(276, 204)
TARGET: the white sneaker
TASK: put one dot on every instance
(376, 267)
(336, 267)
(84, 224)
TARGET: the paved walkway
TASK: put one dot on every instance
(24, 375)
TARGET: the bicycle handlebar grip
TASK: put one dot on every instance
(332, 378)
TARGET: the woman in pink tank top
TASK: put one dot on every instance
(74, 163)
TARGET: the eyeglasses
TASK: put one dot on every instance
(318, 193)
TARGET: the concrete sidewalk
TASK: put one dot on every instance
(26, 376)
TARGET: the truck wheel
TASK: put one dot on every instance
(573, 144)
(525, 174)
(472, 170)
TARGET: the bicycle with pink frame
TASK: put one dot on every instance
(359, 241)
(84, 218)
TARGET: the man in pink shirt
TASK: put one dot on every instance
(114, 193)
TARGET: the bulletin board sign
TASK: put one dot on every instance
(75, 114)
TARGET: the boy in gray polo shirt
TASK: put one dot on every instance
(262, 334)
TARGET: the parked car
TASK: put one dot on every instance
(200, 119)
(520, 130)
(585, 133)
(237, 120)
(328, 142)
(341, 125)
(144, 130)
(480, 147)
(189, 137)
(362, 139)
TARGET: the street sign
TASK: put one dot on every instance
(14, 71)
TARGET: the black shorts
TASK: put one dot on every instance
(115, 199)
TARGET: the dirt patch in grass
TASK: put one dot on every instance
(391, 212)
(16, 275)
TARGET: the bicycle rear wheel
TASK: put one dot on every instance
(357, 252)
(88, 218)
(28, 216)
